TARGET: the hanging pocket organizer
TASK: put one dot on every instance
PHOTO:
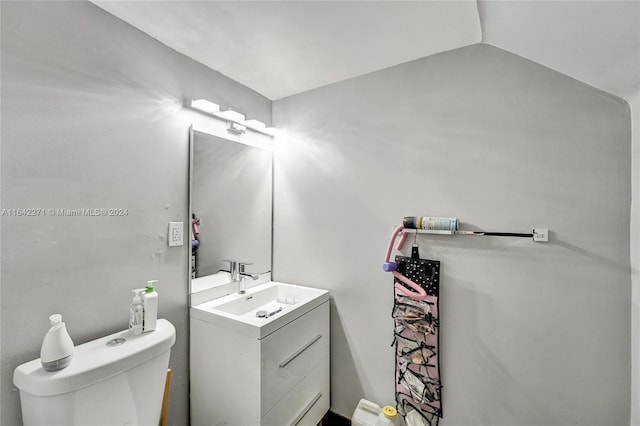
(416, 336)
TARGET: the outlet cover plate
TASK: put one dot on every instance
(175, 236)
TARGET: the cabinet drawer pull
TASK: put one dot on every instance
(307, 408)
(299, 351)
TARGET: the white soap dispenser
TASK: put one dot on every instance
(150, 302)
(136, 313)
(57, 347)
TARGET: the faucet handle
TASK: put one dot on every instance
(247, 274)
(233, 267)
(241, 265)
(233, 264)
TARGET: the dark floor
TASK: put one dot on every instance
(333, 419)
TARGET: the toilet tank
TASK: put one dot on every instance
(115, 380)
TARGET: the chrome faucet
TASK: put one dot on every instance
(243, 275)
(238, 274)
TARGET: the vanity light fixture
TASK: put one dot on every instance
(231, 115)
(205, 105)
(237, 123)
(235, 128)
(259, 126)
(255, 125)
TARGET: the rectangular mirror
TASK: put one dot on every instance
(230, 208)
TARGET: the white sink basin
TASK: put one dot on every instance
(276, 303)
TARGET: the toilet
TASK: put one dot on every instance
(115, 380)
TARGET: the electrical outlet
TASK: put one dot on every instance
(176, 234)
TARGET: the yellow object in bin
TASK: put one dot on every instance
(369, 413)
(389, 412)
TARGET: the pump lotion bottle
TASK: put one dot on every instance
(57, 347)
(150, 302)
(136, 313)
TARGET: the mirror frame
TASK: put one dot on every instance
(250, 138)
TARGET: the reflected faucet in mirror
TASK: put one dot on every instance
(238, 274)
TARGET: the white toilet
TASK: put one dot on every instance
(115, 380)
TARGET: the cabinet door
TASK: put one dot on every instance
(306, 403)
(291, 353)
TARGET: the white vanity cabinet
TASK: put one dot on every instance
(280, 379)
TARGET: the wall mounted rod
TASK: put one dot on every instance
(493, 234)
(538, 234)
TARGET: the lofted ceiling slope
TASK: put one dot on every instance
(597, 42)
(281, 48)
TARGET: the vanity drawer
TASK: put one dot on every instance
(291, 353)
(306, 403)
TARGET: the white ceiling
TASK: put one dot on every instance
(597, 42)
(280, 48)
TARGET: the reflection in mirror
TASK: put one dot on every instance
(230, 200)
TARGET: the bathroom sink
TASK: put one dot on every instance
(262, 309)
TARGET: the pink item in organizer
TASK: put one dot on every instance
(418, 292)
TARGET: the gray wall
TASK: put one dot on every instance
(532, 334)
(92, 117)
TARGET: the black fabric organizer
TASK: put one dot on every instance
(416, 339)
(424, 272)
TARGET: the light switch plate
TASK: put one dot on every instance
(176, 234)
